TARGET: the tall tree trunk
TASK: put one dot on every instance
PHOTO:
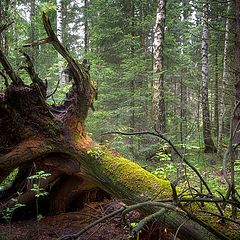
(222, 106)
(132, 123)
(208, 142)
(86, 27)
(59, 36)
(4, 18)
(158, 101)
(216, 95)
(33, 28)
(236, 117)
(1, 22)
(143, 37)
(183, 88)
(183, 101)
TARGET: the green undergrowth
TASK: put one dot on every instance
(9, 179)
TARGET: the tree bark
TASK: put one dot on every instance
(86, 27)
(158, 101)
(222, 106)
(236, 116)
(33, 28)
(54, 139)
(208, 142)
(216, 96)
(59, 21)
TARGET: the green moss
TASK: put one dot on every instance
(131, 183)
(128, 174)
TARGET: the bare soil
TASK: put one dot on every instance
(53, 227)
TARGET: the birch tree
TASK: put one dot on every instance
(59, 35)
(208, 142)
(158, 102)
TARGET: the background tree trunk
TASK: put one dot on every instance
(86, 27)
(208, 142)
(236, 116)
(222, 106)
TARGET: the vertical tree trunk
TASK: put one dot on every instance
(183, 100)
(132, 82)
(208, 142)
(33, 28)
(237, 71)
(86, 28)
(216, 95)
(143, 37)
(158, 102)
(224, 81)
(1, 22)
(59, 35)
(183, 88)
(4, 15)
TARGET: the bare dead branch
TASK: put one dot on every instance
(39, 42)
(160, 135)
(148, 219)
(217, 215)
(9, 70)
(5, 26)
(55, 90)
(76, 235)
(33, 75)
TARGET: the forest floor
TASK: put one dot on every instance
(53, 227)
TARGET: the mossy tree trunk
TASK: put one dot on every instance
(35, 136)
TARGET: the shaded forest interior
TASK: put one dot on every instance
(137, 100)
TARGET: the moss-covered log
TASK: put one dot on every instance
(34, 137)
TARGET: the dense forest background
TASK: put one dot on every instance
(159, 82)
(167, 65)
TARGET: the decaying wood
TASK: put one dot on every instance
(31, 133)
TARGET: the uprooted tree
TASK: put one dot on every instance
(54, 139)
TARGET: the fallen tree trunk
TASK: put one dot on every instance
(34, 137)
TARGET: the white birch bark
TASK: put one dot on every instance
(158, 93)
(59, 35)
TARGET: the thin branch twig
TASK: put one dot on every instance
(159, 135)
(76, 235)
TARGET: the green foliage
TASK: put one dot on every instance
(39, 175)
(37, 189)
(8, 212)
(120, 53)
(166, 172)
